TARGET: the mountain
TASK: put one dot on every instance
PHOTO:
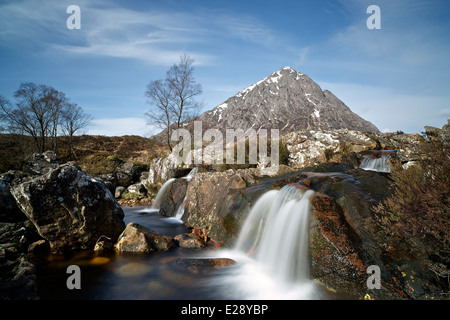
(286, 100)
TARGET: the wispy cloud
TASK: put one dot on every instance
(150, 36)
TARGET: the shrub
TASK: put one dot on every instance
(418, 212)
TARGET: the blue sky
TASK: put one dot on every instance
(397, 77)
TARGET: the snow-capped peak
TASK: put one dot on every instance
(287, 68)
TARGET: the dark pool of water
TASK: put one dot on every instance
(129, 276)
(160, 276)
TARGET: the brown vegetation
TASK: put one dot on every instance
(94, 154)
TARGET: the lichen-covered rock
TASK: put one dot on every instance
(68, 208)
(162, 169)
(39, 164)
(139, 239)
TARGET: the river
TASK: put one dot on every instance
(159, 276)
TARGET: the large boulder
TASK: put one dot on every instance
(206, 195)
(139, 239)
(68, 208)
(122, 174)
(217, 203)
(173, 198)
(162, 169)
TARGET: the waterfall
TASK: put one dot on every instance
(161, 193)
(272, 248)
(180, 211)
(276, 233)
(379, 164)
(191, 174)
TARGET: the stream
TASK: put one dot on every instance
(159, 276)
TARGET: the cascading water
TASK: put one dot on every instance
(191, 174)
(180, 211)
(272, 248)
(377, 161)
(161, 193)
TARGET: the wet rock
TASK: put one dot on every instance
(190, 241)
(104, 245)
(18, 280)
(173, 198)
(206, 195)
(197, 265)
(346, 238)
(9, 211)
(335, 248)
(69, 209)
(139, 239)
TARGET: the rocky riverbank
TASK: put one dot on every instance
(52, 207)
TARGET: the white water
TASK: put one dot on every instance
(376, 164)
(191, 174)
(179, 214)
(272, 250)
(161, 193)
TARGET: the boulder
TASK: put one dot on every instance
(119, 191)
(139, 239)
(336, 260)
(162, 169)
(206, 195)
(69, 209)
(173, 198)
(126, 174)
(138, 189)
(190, 241)
(18, 279)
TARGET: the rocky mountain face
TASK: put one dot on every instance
(286, 100)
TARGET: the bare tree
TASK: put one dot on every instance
(173, 98)
(184, 87)
(39, 111)
(160, 96)
(31, 114)
(73, 118)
